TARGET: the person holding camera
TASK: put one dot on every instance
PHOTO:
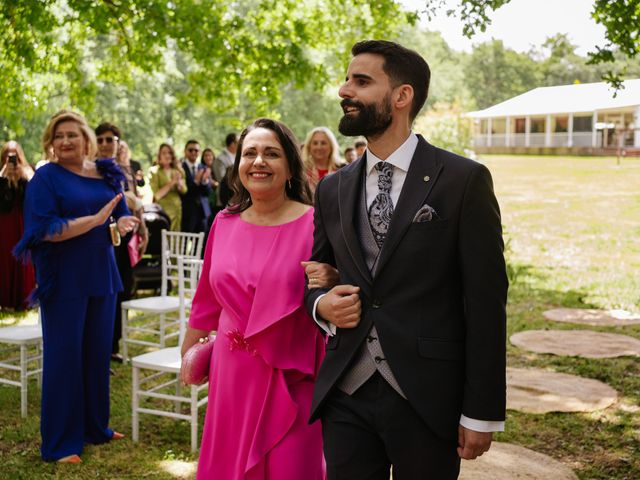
(16, 280)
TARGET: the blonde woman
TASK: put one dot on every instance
(72, 210)
(321, 155)
(168, 183)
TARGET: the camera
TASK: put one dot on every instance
(12, 159)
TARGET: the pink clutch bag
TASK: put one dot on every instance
(134, 249)
(195, 362)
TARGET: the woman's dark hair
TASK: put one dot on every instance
(205, 151)
(295, 189)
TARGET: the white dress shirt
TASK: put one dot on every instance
(401, 159)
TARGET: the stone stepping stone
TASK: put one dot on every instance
(534, 390)
(577, 343)
(588, 316)
(505, 461)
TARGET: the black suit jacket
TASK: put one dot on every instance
(439, 296)
(194, 202)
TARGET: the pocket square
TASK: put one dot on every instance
(426, 214)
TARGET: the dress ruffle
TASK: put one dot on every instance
(111, 173)
(32, 248)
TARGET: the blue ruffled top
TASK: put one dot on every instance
(81, 266)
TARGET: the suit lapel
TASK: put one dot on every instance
(413, 195)
(349, 184)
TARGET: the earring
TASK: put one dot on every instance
(289, 183)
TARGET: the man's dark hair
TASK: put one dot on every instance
(189, 142)
(349, 149)
(105, 127)
(230, 139)
(360, 143)
(402, 66)
(296, 188)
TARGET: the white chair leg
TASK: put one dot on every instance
(194, 418)
(162, 330)
(135, 403)
(23, 381)
(125, 326)
(177, 404)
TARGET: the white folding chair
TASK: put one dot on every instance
(156, 320)
(24, 355)
(162, 368)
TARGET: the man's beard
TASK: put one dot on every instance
(371, 120)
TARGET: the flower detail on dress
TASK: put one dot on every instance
(238, 342)
(111, 173)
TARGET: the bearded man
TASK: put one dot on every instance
(414, 373)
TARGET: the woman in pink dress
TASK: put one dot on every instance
(267, 350)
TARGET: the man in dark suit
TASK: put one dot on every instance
(195, 203)
(414, 375)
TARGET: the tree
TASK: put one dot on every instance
(620, 18)
(495, 73)
(234, 54)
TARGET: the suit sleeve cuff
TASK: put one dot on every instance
(481, 425)
(324, 325)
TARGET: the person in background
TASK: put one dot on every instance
(267, 349)
(167, 182)
(74, 210)
(222, 168)
(207, 160)
(126, 163)
(350, 155)
(360, 146)
(110, 143)
(195, 204)
(17, 280)
(321, 155)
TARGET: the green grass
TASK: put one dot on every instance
(572, 225)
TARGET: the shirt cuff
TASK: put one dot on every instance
(329, 328)
(481, 425)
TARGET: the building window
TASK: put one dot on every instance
(562, 125)
(520, 124)
(537, 125)
(582, 124)
(498, 126)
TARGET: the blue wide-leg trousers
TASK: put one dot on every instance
(77, 335)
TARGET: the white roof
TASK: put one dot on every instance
(580, 98)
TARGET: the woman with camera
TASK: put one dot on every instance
(16, 280)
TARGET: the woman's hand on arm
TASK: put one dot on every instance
(81, 225)
(321, 275)
(191, 337)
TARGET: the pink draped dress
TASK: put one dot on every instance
(266, 354)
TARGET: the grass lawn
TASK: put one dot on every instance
(572, 226)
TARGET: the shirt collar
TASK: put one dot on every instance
(400, 158)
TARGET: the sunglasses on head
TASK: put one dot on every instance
(102, 140)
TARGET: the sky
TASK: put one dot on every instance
(523, 23)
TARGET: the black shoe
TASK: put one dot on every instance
(116, 357)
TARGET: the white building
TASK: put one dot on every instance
(580, 119)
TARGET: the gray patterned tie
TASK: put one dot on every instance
(381, 209)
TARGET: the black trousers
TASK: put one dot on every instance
(375, 428)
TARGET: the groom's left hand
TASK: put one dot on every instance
(472, 444)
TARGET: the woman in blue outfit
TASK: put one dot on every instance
(69, 206)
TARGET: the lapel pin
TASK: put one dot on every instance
(426, 178)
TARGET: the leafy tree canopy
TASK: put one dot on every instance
(224, 54)
(620, 18)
